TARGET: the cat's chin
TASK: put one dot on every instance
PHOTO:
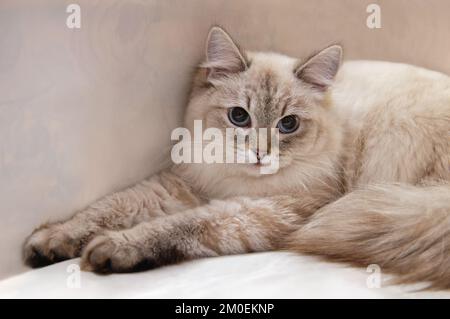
(257, 170)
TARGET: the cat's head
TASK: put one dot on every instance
(239, 89)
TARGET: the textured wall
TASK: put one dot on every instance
(84, 112)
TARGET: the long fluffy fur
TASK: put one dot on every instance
(404, 229)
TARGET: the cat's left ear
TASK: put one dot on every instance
(223, 56)
(320, 69)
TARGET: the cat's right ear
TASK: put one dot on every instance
(223, 56)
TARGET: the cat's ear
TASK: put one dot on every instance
(223, 55)
(320, 69)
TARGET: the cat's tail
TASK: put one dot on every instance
(403, 229)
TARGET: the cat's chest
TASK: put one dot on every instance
(211, 186)
(227, 189)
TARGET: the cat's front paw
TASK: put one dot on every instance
(49, 244)
(112, 252)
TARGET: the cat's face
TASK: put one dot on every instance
(245, 90)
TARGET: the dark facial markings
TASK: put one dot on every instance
(270, 101)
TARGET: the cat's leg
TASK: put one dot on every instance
(162, 194)
(221, 227)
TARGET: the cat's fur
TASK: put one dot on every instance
(365, 179)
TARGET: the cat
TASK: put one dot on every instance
(363, 178)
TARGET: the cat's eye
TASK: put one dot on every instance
(239, 117)
(288, 124)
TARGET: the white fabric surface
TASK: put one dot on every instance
(262, 275)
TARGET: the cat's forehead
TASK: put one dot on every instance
(267, 88)
(278, 66)
(269, 74)
(270, 82)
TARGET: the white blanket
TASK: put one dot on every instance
(261, 275)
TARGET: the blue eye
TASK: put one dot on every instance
(288, 124)
(239, 117)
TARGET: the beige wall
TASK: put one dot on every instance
(84, 112)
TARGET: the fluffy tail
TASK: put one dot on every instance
(404, 229)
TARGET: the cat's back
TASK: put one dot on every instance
(397, 120)
(362, 86)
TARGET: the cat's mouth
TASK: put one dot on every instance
(262, 168)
